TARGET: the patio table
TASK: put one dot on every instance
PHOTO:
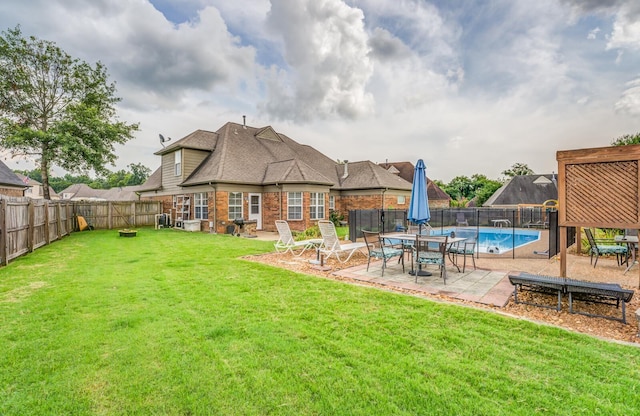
(430, 238)
(632, 242)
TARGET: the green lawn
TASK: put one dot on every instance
(173, 323)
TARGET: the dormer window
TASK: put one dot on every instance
(178, 162)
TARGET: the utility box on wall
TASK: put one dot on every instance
(191, 225)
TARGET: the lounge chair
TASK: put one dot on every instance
(286, 243)
(331, 243)
(379, 250)
(605, 246)
(461, 220)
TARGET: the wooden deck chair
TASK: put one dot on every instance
(286, 243)
(331, 243)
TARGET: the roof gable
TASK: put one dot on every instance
(525, 189)
(268, 133)
(7, 177)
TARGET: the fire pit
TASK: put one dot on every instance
(127, 233)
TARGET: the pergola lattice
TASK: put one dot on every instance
(598, 187)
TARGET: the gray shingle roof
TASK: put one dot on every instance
(525, 189)
(244, 154)
(8, 177)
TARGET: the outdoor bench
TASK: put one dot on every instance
(537, 283)
(604, 293)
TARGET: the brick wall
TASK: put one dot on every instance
(12, 192)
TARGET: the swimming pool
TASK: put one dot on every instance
(494, 240)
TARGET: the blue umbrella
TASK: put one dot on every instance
(419, 207)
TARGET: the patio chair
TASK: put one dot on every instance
(286, 243)
(466, 248)
(331, 243)
(379, 250)
(461, 220)
(429, 253)
(599, 247)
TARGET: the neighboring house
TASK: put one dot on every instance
(524, 190)
(122, 193)
(35, 189)
(82, 192)
(257, 174)
(10, 184)
(437, 197)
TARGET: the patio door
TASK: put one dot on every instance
(255, 209)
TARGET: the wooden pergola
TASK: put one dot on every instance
(599, 188)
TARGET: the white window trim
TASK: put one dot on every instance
(229, 206)
(319, 197)
(177, 162)
(291, 205)
(201, 200)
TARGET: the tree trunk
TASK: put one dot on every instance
(44, 172)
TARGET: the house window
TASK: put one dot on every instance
(401, 200)
(201, 206)
(332, 202)
(316, 206)
(235, 205)
(178, 162)
(294, 205)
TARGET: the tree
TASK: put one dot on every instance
(518, 169)
(56, 108)
(626, 139)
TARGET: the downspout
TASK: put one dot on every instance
(382, 211)
(212, 230)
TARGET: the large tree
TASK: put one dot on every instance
(56, 108)
(518, 169)
(627, 139)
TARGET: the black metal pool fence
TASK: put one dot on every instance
(511, 218)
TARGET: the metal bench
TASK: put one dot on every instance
(537, 283)
(604, 293)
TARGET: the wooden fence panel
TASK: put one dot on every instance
(39, 221)
(17, 229)
(27, 224)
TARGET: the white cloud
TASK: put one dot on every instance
(593, 33)
(326, 49)
(629, 102)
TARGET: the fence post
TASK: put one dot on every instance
(109, 216)
(46, 222)
(4, 255)
(31, 215)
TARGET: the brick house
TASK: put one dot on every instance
(10, 184)
(437, 197)
(260, 175)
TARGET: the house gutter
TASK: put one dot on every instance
(382, 211)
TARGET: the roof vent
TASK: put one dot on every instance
(244, 122)
(346, 169)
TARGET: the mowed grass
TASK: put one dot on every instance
(175, 323)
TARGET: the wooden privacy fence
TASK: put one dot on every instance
(27, 224)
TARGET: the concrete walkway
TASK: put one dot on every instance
(482, 286)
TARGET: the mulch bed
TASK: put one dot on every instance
(598, 327)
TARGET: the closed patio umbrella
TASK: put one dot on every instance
(419, 206)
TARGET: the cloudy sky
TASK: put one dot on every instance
(468, 86)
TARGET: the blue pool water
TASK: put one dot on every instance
(494, 240)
